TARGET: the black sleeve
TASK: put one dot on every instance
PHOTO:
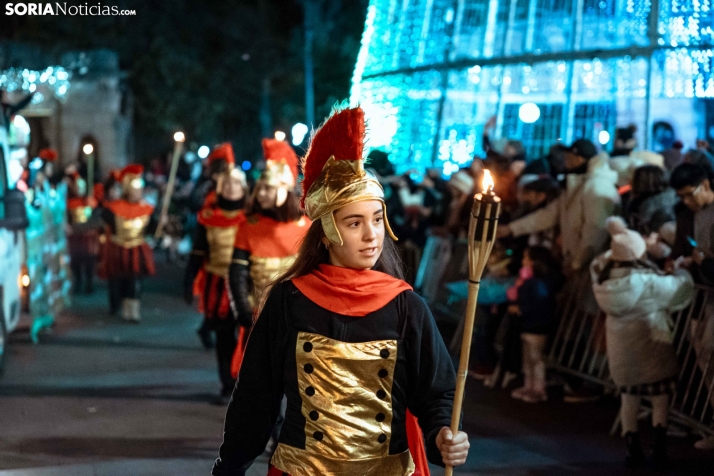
(432, 376)
(239, 287)
(685, 229)
(108, 217)
(255, 403)
(707, 269)
(195, 260)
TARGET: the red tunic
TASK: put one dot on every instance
(210, 284)
(127, 255)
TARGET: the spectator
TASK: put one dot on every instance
(695, 226)
(652, 201)
(625, 141)
(532, 308)
(695, 219)
(638, 299)
(589, 198)
(552, 164)
(673, 156)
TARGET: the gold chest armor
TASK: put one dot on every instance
(346, 390)
(130, 231)
(264, 270)
(220, 249)
(80, 214)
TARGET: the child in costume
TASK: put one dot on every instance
(83, 233)
(268, 242)
(353, 349)
(207, 270)
(128, 258)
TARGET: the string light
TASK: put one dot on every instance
(408, 110)
(54, 80)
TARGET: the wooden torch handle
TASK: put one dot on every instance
(178, 148)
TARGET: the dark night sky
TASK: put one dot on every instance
(202, 66)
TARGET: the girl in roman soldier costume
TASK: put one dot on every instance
(83, 232)
(128, 258)
(219, 161)
(207, 270)
(267, 244)
(344, 338)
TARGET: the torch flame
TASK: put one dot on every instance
(487, 182)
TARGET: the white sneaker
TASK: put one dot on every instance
(706, 443)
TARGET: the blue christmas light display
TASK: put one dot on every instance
(430, 73)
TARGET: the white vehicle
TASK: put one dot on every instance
(13, 219)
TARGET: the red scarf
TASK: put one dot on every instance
(356, 293)
(348, 291)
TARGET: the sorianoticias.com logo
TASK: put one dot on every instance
(59, 9)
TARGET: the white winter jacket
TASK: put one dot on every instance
(580, 211)
(638, 304)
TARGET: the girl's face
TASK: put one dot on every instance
(232, 188)
(361, 225)
(526, 262)
(266, 196)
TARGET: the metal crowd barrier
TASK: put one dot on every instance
(578, 346)
(693, 403)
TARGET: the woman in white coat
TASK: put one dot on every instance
(638, 300)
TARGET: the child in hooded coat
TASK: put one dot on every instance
(638, 300)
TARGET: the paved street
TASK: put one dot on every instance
(101, 397)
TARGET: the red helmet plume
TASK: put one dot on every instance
(341, 136)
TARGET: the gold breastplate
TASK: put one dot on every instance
(130, 231)
(346, 391)
(220, 249)
(264, 270)
(80, 214)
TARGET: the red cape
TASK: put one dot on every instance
(264, 237)
(129, 210)
(356, 293)
(350, 292)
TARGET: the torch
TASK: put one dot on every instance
(179, 138)
(88, 150)
(482, 233)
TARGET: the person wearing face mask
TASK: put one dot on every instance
(127, 257)
(207, 269)
(354, 350)
(268, 241)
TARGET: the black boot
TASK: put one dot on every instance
(659, 448)
(635, 456)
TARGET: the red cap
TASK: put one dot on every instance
(222, 151)
(48, 155)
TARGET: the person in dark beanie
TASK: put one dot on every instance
(625, 141)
